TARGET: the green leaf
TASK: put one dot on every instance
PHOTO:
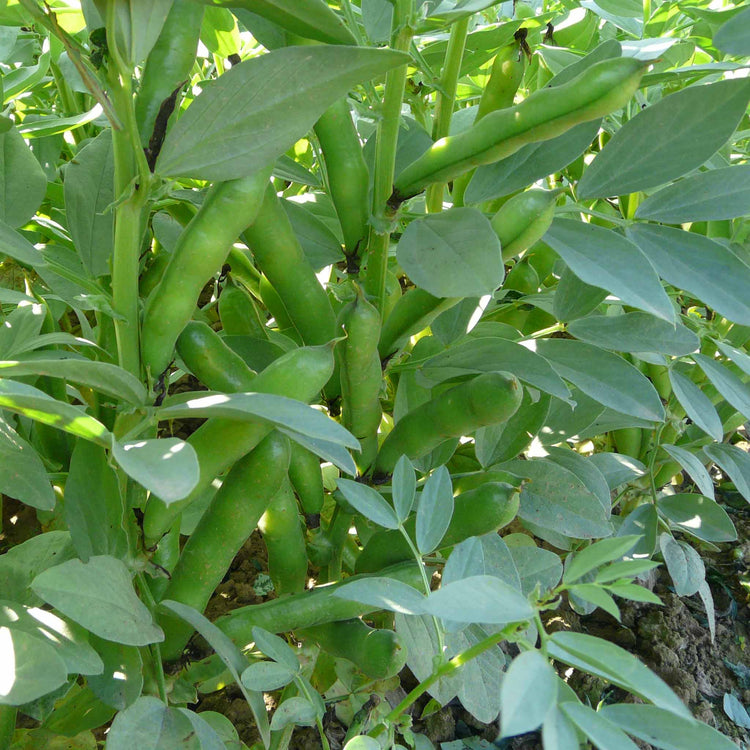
(664, 729)
(689, 261)
(603, 376)
(22, 563)
(597, 554)
(505, 441)
(23, 476)
(219, 32)
(574, 298)
(733, 461)
(707, 196)
(101, 376)
(603, 659)
(739, 358)
(617, 469)
(230, 655)
(479, 692)
(454, 253)
(369, 502)
(634, 592)
(49, 126)
(667, 139)
(696, 404)
(528, 691)
(266, 676)
(482, 598)
(558, 732)
(635, 332)
(276, 648)
(585, 470)
(279, 411)
(403, 488)
(253, 120)
(319, 243)
(99, 596)
(93, 508)
(18, 80)
(596, 595)
(727, 383)
(294, 711)
(168, 467)
(362, 742)
(312, 19)
(693, 466)
(601, 732)
(150, 725)
(384, 593)
(483, 555)
(71, 642)
(20, 249)
(531, 163)
(643, 520)
(31, 402)
(31, 667)
(733, 37)
(419, 637)
(121, 681)
(434, 511)
(89, 191)
(22, 180)
(489, 354)
(537, 566)
(603, 258)
(699, 516)
(557, 499)
(684, 565)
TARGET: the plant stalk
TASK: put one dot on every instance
(385, 155)
(446, 100)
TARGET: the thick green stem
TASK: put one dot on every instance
(154, 648)
(446, 100)
(385, 156)
(128, 233)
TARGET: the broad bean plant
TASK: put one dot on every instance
(449, 299)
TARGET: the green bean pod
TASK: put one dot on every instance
(361, 375)
(279, 255)
(348, 176)
(499, 92)
(219, 443)
(238, 313)
(524, 220)
(201, 250)
(169, 63)
(379, 654)
(225, 526)
(212, 361)
(600, 89)
(476, 512)
(270, 298)
(413, 312)
(285, 542)
(313, 607)
(307, 479)
(489, 398)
